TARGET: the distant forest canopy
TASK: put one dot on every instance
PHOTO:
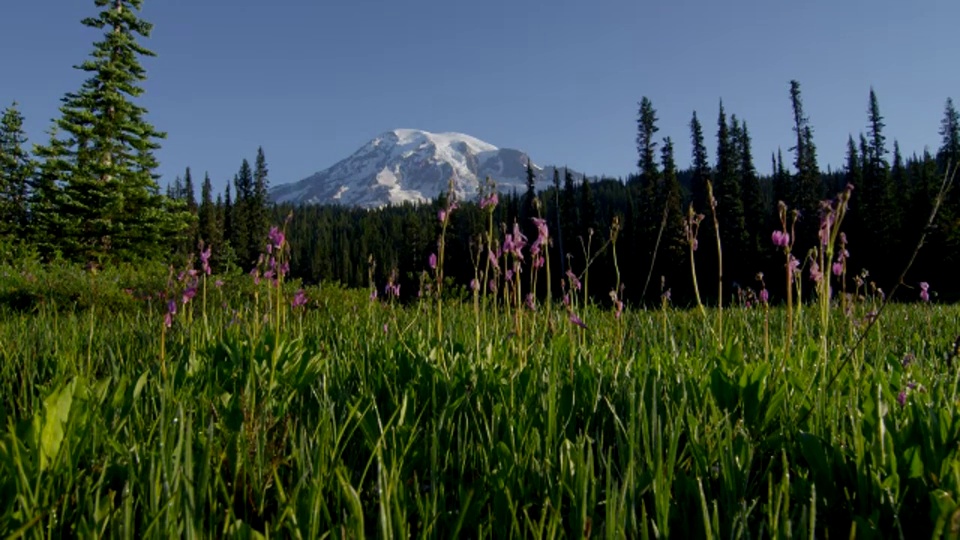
(90, 195)
(892, 199)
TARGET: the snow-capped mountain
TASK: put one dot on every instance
(414, 165)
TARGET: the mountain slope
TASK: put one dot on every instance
(413, 165)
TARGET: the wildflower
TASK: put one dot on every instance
(373, 295)
(299, 299)
(474, 284)
(517, 242)
(494, 258)
(576, 320)
(171, 311)
(764, 296)
(490, 201)
(509, 275)
(205, 260)
(542, 230)
(442, 215)
(218, 283)
(432, 261)
(386, 328)
(188, 294)
(255, 273)
(924, 291)
(277, 237)
(530, 302)
(617, 309)
(492, 286)
(902, 398)
(780, 239)
(826, 222)
(794, 264)
(837, 268)
(574, 282)
(815, 273)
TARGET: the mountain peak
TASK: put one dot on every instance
(411, 165)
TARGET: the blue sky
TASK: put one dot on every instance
(311, 81)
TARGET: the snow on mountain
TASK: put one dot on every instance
(414, 165)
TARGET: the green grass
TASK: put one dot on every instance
(352, 418)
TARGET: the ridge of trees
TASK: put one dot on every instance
(90, 194)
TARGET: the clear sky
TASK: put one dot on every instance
(313, 80)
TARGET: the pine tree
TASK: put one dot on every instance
(46, 223)
(854, 173)
(805, 193)
(879, 216)
(209, 230)
(241, 239)
(16, 170)
(570, 224)
(754, 207)
(531, 194)
(559, 217)
(110, 201)
(646, 145)
(672, 245)
(259, 216)
(701, 166)
(949, 151)
(729, 200)
(189, 196)
(948, 156)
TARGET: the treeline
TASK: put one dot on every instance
(90, 195)
(892, 199)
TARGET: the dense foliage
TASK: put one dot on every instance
(252, 408)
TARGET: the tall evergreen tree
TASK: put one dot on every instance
(559, 217)
(672, 248)
(878, 217)
(646, 144)
(189, 196)
(531, 193)
(948, 155)
(755, 209)
(805, 193)
(190, 203)
(110, 200)
(570, 225)
(729, 200)
(949, 151)
(227, 228)
(259, 218)
(16, 170)
(241, 239)
(46, 223)
(700, 165)
(647, 219)
(207, 216)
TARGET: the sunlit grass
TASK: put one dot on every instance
(348, 420)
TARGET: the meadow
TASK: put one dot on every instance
(146, 402)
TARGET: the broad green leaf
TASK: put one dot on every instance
(56, 413)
